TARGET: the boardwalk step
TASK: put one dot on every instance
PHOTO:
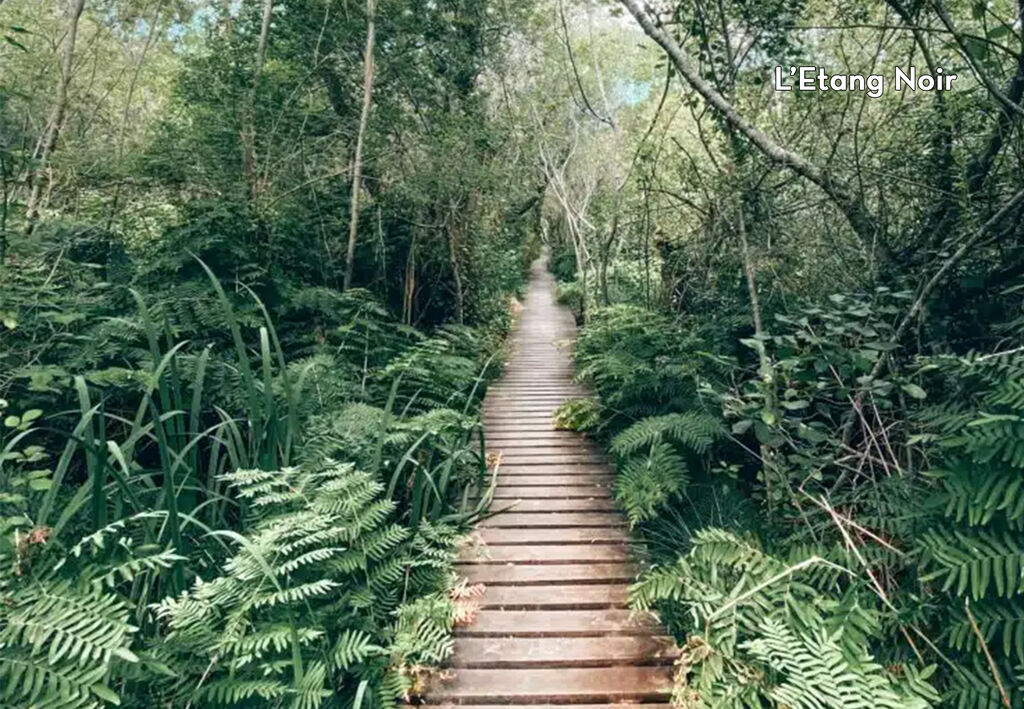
(535, 450)
(547, 535)
(550, 491)
(515, 518)
(539, 574)
(556, 597)
(545, 554)
(509, 458)
(557, 623)
(560, 504)
(552, 469)
(603, 479)
(511, 653)
(559, 685)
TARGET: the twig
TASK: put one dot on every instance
(988, 655)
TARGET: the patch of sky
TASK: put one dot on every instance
(627, 92)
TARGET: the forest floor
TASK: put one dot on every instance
(553, 625)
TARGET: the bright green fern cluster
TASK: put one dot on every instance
(295, 618)
(652, 469)
(762, 632)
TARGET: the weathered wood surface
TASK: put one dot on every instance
(553, 626)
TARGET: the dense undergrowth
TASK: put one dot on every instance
(247, 513)
(228, 515)
(818, 529)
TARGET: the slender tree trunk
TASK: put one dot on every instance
(249, 112)
(453, 260)
(606, 252)
(60, 107)
(410, 283)
(5, 196)
(751, 276)
(227, 26)
(357, 164)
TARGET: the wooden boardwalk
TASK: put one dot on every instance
(553, 627)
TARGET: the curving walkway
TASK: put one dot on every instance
(553, 627)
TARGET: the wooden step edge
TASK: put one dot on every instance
(581, 581)
(549, 525)
(632, 699)
(468, 664)
(555, 606)
(544, 562)
(618, 633)
(558, 542)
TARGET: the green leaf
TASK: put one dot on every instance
(106, 694)
(915, 391)
(741, 427)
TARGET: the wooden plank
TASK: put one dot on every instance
(517, 431)
(537, 574)
(554, 458)
(551, 492)
(556, 596)
(601, 479)
(547, 535)
(509, 653)
(545, 554)
(534, 705)
(499, 416)
(518, 443)
(559, 685)
(557, 623)
(591, 504)
(539, 451)
(553, 519)
(516, 469)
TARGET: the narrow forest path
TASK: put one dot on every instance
(553, 627)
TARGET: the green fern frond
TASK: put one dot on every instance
(975, 561)
(693, 429)
(646, 483)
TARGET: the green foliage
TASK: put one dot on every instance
(578, 415)
(649, 480)
(637, 362)
(973, 554)
(68, 617)
(358, 547)
(761, 632)
(692, 430)
(300, 614)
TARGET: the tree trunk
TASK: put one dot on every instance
(53, 127)
(249, 114)
(357, 163)
(453, 260)
(410, 283)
